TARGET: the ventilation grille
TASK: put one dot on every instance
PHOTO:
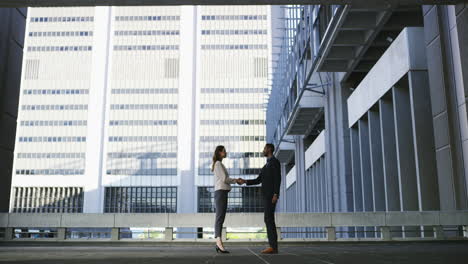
(32, 70)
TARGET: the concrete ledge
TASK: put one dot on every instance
(141, 220)
(34, 220)
(87, 220)
(304, 220)
(315, 151)
(71, 220)
(358, 219)
(405, 54)
(291, 177)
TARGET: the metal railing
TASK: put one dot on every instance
(59, 226)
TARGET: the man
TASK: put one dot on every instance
(270, 178)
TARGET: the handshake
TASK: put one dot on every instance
(240, 181)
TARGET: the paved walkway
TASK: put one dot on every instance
(324, 253)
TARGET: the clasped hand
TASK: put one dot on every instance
(240, 181)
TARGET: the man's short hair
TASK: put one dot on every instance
(270, 147)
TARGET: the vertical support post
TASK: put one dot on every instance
(115, 234)
(278, 231)
(405, 154)
(9, 233)
(224, 233)
(61, 233)
(438, 232)
(331, 233)
(168, 233)
(366, 174)
(423, 137)
(386, 235)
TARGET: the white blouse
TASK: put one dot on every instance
(221, 179)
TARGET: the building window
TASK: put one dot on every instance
(140, 200)
(240, 200)
(48, 200)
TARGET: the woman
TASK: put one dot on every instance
(222, 187)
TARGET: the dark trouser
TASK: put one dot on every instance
(270, 222)
(220, 197)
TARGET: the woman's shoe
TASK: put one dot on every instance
(220, 250)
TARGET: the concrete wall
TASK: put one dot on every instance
(446, 39)
(12, 28)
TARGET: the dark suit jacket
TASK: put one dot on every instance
(269, 177)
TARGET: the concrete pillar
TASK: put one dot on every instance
(283, 195)
(386, 234)
(9, 232)
(300, 173)
(356, 173)
(331, 233)
(115, 234)
(426, 170)
(320, 185)
(97, 106)
(375, 143)
(278, 231)
(224, 233)
(168, 233)
(448, 78)
(366, 176)
(405, 153)
(389, 158)
(61, 233)
(186, 117)
(438, 232)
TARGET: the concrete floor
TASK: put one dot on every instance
(318, 253)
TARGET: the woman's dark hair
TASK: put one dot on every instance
(217, 155)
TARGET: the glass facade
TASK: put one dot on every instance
(140, 200)
(233, 92)
(240, 200)
(47, 200)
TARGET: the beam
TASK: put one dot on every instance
(356, 3)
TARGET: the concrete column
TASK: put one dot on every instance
(331, 233)
(115, 234)
(389, 158)
(405, 153)
(385, 231)
(224, 233)
(168, 233)
(356, 173)
(61, 233)
(98, 92)
(366, 174)
(187, 118)
(426, 170)
(9, 232)
(446, 42)
(283, 195)
(438, 232)
(278, 231)
(320, 185)
(375, 143)
(300, 173)
(356, 169)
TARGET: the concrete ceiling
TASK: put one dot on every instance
(46, 3)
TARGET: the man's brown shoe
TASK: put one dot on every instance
(270, 251)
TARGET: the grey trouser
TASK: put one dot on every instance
(220, 197)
